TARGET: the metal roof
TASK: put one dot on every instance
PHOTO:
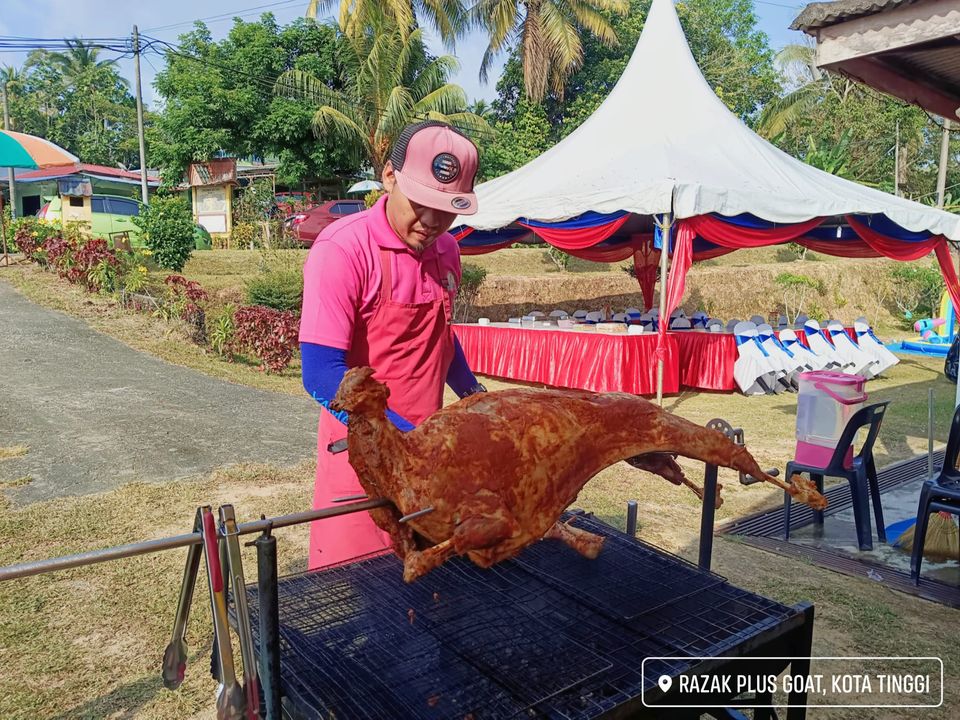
(820, 14)
(103, 172)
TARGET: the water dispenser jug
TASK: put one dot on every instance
(826, 402)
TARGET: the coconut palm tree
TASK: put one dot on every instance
(481, 108)
(79, 65)
(394, 82)
(797, 62)
(548, 35)
(448, 17)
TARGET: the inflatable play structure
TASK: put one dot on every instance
(936, 334)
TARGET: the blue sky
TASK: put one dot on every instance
(168, 18)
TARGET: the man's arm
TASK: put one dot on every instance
(323, 371)
(460, 377)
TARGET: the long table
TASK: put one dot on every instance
(603, 362)
(596, 361)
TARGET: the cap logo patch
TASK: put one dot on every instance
(460, 203)
(445, 167)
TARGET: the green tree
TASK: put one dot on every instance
(734, 56)
(167, 227)
(516, 142)
(447, 17)
(218, 97)
(545, 36)
(393, 81)
(78, 101)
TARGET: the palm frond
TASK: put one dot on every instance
(434, 75)
(299, 84)
(782, 111)
(590, 19)
(534, 55)
(330, 123)
(561, 40)
(396, 112)
(448, 98)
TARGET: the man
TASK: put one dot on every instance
(378, 291)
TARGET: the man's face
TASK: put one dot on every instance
(417, 225)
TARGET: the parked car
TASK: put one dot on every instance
(306, 225)
(291, 203)
(112, 215)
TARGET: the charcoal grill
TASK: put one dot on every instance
(547, 635)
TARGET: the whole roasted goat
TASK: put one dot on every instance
(499, 468)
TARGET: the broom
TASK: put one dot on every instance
(943, 538)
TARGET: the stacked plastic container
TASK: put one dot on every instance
(825, 403)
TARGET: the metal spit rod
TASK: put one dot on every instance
(38, 567)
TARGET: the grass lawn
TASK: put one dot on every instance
(87, 642)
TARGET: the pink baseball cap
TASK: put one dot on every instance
(436, 166)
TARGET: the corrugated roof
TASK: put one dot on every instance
(820, 14)
(104, 171)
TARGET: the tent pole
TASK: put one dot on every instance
(665, 227)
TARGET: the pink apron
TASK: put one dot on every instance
(410, 347)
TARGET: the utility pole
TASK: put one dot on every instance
(10, 175)
(896, 163)
(143, 146)
(944, 159)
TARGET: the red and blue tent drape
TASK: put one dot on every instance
(593, 236)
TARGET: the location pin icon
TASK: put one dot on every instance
(665, 682)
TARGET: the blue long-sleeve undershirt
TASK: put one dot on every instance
(324, 368)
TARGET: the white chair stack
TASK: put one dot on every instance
(809, 359)
(872, 345)
(864, 364)
(753, 371)
(821, 345)
(779, 355)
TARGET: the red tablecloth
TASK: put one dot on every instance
(706, 359)
(573, 359)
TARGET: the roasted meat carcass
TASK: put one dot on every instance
(499, 468)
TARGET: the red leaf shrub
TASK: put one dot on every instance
(87, 258)
(270, 335)
(189, 289)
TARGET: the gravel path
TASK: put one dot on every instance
(96, 414)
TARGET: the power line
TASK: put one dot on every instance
(227, 16)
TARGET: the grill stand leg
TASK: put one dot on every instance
(269, 602)
(801, 665)
(632, 518)
(707, 515)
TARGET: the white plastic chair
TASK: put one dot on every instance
(872, 345)
(809, 359)
(733, 323)
(580, 314)
(594, 317)
(863, 362)
(800, 322)
(558, 314)
(819, 342)
(779, 355)
(754, 372)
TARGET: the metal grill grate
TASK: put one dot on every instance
(620, 582)
(506, 642)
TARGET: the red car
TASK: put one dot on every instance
(308, 224)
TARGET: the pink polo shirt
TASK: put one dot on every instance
(342, 276)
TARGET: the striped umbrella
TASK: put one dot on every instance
(29, 151)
